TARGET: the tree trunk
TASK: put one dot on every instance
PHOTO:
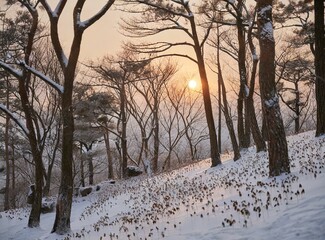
(34, 217)
(123, 137)
(156, 137)
(219, 106)
(82, 171)
(47, 187)
(13, 180)
(110, 172)
(64, 201)
(226, 113)
(278, 151)
(243, 113)
(214, 150)
(320, 65)
(257, 135)
(297, 108)
(7, 192)
(90, 169)
(229, 122)
(230, 125)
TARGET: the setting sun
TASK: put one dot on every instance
(192, 84)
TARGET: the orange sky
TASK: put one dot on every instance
(104, 38)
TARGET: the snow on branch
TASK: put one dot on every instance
(57, 11)
(161, 7)
(267, 27)
(15, 118)
(49, 81)
(85, 24)
(11, 70)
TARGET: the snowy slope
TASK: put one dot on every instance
(234, 201)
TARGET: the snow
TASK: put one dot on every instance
(236, 200)
(267, 28)
(246, 90)
(263, 11)
(15, 118)
(15, 72)
(274, 101)
(254, 56)
(267, 31)
(49, 81)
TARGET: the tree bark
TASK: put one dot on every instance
(64, 202)
(219, 109)
(278, 150)
(229, 122)
(156, 136)
(243, 113)
(257, 135)
(214, 150)
(297, 108)
(123, 137)
(320, 65)
(7, 192)
(110, 172)
(23, 84)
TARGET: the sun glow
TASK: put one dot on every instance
(192, 84)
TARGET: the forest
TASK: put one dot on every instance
(192, 80)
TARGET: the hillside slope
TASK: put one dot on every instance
(234, 201)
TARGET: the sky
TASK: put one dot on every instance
(104, 37)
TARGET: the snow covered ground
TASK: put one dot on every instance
(234, 201)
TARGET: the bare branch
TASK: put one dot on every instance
(14, 118)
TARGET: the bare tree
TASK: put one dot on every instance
(257, 134)
(186, 104)
(105, 123)
(240, 17)
(24, 77)
(277, 147)
(225, 108)
(295, 84)
(156, 76)
(116, 74)
(89, 105)
(162, 16)
(68, 65)
(171, 122)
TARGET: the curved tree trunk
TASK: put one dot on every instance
(214, 150)
(64, 201)
(229, 121)
(257, 135)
